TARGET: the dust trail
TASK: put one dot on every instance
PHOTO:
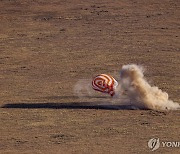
(83, 88)
(140, 93)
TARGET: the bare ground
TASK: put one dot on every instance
(47, 46)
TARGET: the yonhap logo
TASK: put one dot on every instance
(155, 143)
(171, 144)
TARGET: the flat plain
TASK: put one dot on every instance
(46, 47)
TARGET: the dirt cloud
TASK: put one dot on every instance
(140, 93)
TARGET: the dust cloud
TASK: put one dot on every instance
(133, 89)
(140, 93)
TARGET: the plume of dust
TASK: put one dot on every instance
(83, 88)
(139, 92)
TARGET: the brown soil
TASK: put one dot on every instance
(47, 46)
